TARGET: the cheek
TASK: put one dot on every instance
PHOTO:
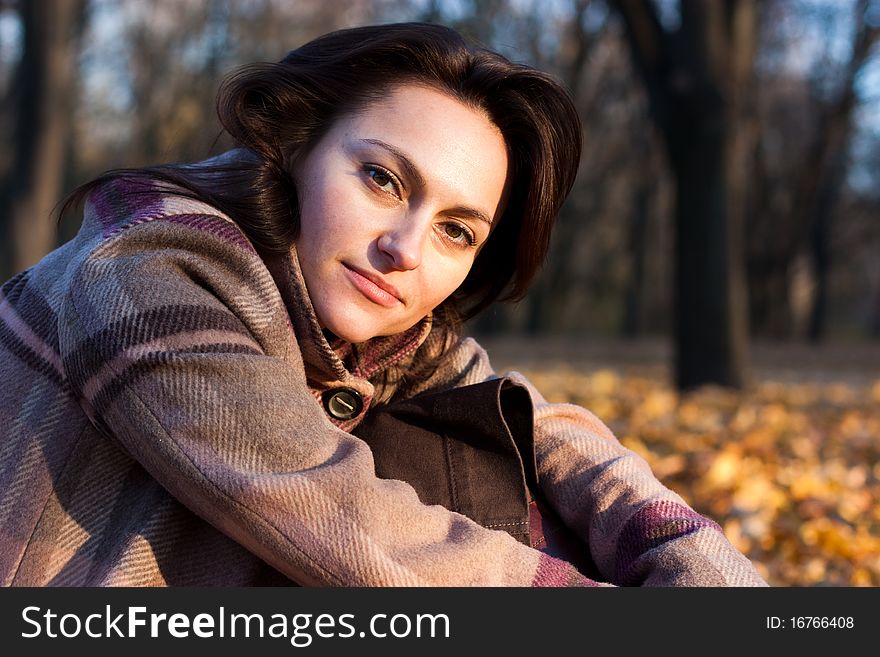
(323, 219)
(445, 278)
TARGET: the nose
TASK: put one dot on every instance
(403, 243)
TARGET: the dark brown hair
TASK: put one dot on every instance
(277, 111)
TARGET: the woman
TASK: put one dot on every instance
(185, 377)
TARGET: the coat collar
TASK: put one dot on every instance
(328, 363)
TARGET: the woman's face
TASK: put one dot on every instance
(396, 201)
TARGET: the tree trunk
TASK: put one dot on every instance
(709, 331)
(633, 318)
(42, 124)
(698, 80)
(821, 259)
(770, 312)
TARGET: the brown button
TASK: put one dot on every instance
(343, 403)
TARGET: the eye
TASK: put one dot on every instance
(384, 180)
(459, 234)
(454, 231)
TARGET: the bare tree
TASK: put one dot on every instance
(801, 168)
(698, 78)
(42, 93)
(831, 160)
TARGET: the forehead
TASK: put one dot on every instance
(438, 132)
(418, 95)
(424, 110)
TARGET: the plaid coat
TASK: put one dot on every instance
(161, 424)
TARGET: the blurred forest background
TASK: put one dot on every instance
(713, 288)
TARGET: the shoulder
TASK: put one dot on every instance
(126, 202)
(140, 233)
(148, 255)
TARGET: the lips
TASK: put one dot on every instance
(373, 287)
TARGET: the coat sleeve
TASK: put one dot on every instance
(176, 342)
(638, 531)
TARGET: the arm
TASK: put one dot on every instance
(638, 531)
(183, 355)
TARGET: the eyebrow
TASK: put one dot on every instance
(413, 173)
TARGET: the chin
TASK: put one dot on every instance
(357, 329)
(350, 329)
(353, 337)
(345, 332)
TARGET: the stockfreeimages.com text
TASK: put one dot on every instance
(300, 629)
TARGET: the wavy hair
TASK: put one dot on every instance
(277, 111)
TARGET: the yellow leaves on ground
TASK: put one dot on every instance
(790, 471)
